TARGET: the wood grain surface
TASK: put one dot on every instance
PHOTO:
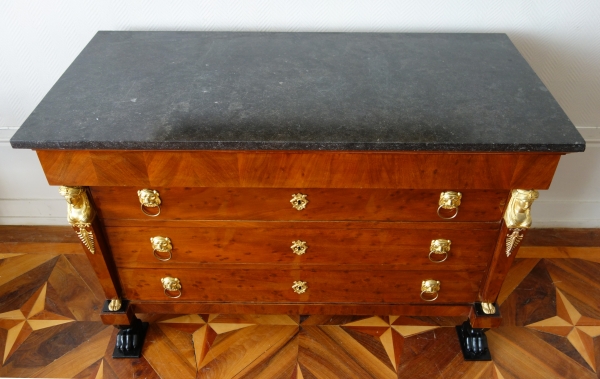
(49, 328)
(323, 204)
(265, 285)
(409, 247)
(292, 169)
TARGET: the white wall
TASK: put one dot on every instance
(560, 39)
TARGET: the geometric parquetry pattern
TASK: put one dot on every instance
(50, 327)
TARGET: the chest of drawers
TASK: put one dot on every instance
(300, 173)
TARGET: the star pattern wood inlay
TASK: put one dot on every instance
(569, 323)
(31, 316)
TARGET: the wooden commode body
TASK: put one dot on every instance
(300, 173)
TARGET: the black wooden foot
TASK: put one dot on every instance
(130, 340)
(473, 343)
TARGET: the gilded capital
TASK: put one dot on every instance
(79, 210)
(517, 214)
(80, 214)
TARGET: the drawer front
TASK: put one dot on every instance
(323, 204)
(324, 285)
(131, 246)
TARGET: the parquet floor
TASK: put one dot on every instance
(50, 327)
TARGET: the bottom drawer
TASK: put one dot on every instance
(275, 285)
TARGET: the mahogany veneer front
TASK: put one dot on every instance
(272, 245)
(324, 285)
(297, 169)
(369, 222)
(274, 204)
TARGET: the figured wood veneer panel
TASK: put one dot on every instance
(266, 285)
(204, 168)
(404, 247)
(68, 168)
(329, 309)
(274, 204)
(535, 171)
(290, 169)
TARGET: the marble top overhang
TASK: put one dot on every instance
(299, 91)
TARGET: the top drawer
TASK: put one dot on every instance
(268, 204)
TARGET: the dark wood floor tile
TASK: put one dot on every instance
(306, 373)
(79, 358)
(37, 234)
(330, 320)
(125, 368)
(84, 269)
(405, 320)
(107, 372)
(282, 365)
(43, 346)
(458, 368)
(17, 266)
(369, 338)
(426, 355)
(518, 353)
(321, 357)
(169, 357)
(433, 320)
(519, 271)
(533, 300)
(329, 352)
(578, 279)
(253, 319)
(597, 354)
(74, 292)
(562, 237)
(563, 345)
(239, 351)
(90, 372)
(16, 292)
(56, 305)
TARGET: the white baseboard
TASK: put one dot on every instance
(33, 212)
(566, 214)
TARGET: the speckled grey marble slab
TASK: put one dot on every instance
(307, 91)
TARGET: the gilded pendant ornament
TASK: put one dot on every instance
(86, 236)
(80, 214)
(512, 240)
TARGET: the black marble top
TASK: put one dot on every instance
(306, 91)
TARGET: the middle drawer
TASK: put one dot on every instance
(132, 246)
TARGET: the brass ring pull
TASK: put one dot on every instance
(449, 200)
(171, 285)
(161, 245)
(447, 218)
(432, 299)
(168, 293)
(430, 287)
(150, 214)
(439, 247)
(438, 261)
(149, 199)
